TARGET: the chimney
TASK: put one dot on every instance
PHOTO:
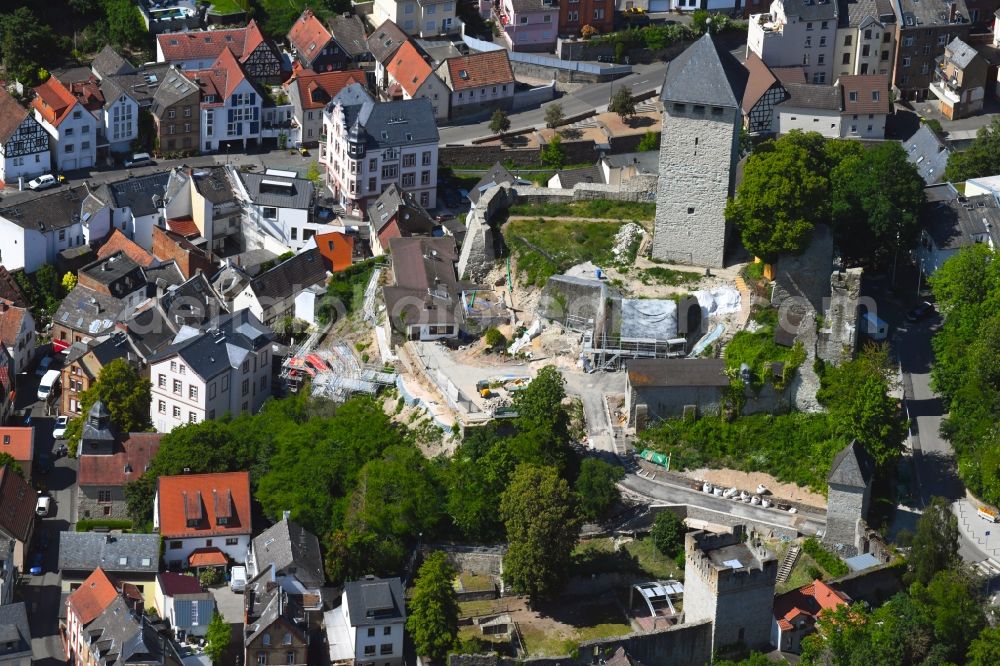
(3, 306)
(952, 10)
(121, 326)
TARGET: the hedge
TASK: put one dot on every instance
(90, 525)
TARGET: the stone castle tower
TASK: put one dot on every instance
(848, 498)
(699, 149)
(730, 581)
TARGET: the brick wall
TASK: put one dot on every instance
(577, 152)
(190, 259)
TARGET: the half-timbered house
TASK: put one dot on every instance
(24, 143)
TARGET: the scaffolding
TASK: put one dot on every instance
(335, 374)
(607, 352)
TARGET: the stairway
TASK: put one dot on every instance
(787, 564)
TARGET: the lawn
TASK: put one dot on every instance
(652, 561)
(543, 642)
(598, 556)
(544, 248)
(759, 350)
(802, 572)
(226, 6)
(597, 208)
(667, 276)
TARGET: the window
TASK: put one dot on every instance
(409, 160)
(162, 407)
(409, 179)
(819, 77)
(822, 41)
(270, 213)
(690, 210)
(192, 417)
(924, 68)
(868, 34)
(246, 386)
(927, 49)
(263, 383)
(182, 369)
(847, 40)
(824, 25)
(177, 387)
(262, 657)
(524, 19)
(599, 13)
(385, 648)
(425, 158)
(820, 59)
(286, 639)
(853, 96)
(425, 199)
(208, 542)
(85, 145)
(171, 113)
(809, 41)
(175, 545)
(265, 640)
(875, 95)
(425, 177)
(906, 62)
(103, 495)
(372, 165)
(231, 541)
(289, 657)
(386, 631)
(369, 650)
(173, 366)
(177, 412)
(907, 41)
(847, 59)
(371, 631)
(866, 50)
(294, 236)
(69, 131)
(69, 148)
(942, 40)
(809, 26)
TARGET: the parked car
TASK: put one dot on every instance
(42, 182)
(43, 366)
(37, 564)
(922, 311)
(138, 159)
(59, 428)
(44, 463)
(43, 505)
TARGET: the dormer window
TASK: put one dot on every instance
(463, 74)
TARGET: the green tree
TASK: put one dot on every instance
(700, 21)
(499, 122)
(872, 417)
(596, 487)
(539, 512)
(552, 154)
(7, 460)
(840, 635)
(126, 395)
(952, 605)
(313, 173)
(935, 542)
(781, 197)
(542, 423)
(494, 339)
(432, 612)
(981, 158)
(554, 116)
(217, 636)
(68, 282)
(667, 533)
(649, 141)
(25, 43)
(623, 103)
(125, 25)
(985, 649)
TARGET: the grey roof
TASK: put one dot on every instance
(852, 466)
(962, 54)
(278, 191)
(644, 162)
(290, 276)
(266, 604)
(142, 194)
(591, 174)
(349, 33)
(192, 302)
(108, 63)
(814, 96)
(705, 73)
(853, 12)
(115, 553)
(210, 352)
(385, 40)
(351, 94)
(811, 10)
(89, 311)
(15, 632)
(375, 601)
(118, 273)
(214, 185)
(150, 330)
(928, 153)
(534, 6)
(230, 281)
(396, 123)
(960, 221)
(922, 14)
(142, 84)
(414, 218)
(57, 209)
(175, 87)
(97, 425)
(497, 175)
(674, 372)
(166, 275)
(121, 637)
(292, 550)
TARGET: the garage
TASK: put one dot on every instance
(86, 162)
(659, 5)
(68, 165)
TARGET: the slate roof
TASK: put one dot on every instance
(931, 12)
(673, 372)
(811, 10)
(871, 92)
(127, 464)
(89, 311)
(290, 276)
(15, 633)
(268, 604)
(141, 194)
(375, 601)
(497, 175)
(385, 40)
(18, 442)
(192, 302)
(397, 123)
(814, 96)
(56, 210)
(108, 62)
(487, 68)
(143, 84)
(204, 497)
(295, 193)
(90, 599)
(853, 12)
(533, 6)
(12, 114)
(928, 153)
(349, 33)
(120, 638)
(308, 36)
(115, 553)
(175, 87)
(852, 466)
(291, 549)
(389, 203)
(705, 73)
(958, 222)
(17, 505)
(570, 177)
(221, 348)
(214, 185)
(962, 54)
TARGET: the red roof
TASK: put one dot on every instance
(409, 68)
(221, 79)
(93, 597)
(173, 584)
(12, 114)
(866, 93)
(192, 504)
(203, 44)
(810, 600)
(11, 318)
(17, 505)
(53, 100)
(124, 466)
(89, 93)
(10, 290)
(308, 36)
(119, 242)
(184, 226)
(17, 441)
(207, 557)
(336, 248)
(315, 90)
(489, 68)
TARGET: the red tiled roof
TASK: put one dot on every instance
(202, 499)
(864, 87)
(810, 600)
(336, 248)
(17, 505)
(119, 242)
(202, 44)
(12, 114)
(10, 290)
(93, 597)
(308, 36)
(489, 68)
(53, 101)
(173, 584)
(207, 557)
(89, 93)
(184, 226)
(254, 38)
(119, 468)
(315, 90)
(222, 78)
(18, 442)
(409, 69)
(11, 318)
(759, 81)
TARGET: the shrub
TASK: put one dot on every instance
(209, 577)
(494, 338)
(668, 533)
(88, 525)
(830, 562)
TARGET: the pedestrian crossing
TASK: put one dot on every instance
(988, 567)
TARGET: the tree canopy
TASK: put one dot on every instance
(935, 542)
(596, 487)
(499, 122)
(668, 533)
(126, 395)
(218, 636)
(7, 460)
(552, 154)
(981, 158)
(432, 612)
(623, 103)
(554, 116)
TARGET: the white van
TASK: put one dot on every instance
(42, 182)
(43, 505)
(47, 384)
(874, 327)
(238, 579)
(138, 159)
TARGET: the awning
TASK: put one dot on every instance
(207, 557)
(61, 345)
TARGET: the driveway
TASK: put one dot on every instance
(229, 604)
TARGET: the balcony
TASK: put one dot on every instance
(766, 23)
(942, 91)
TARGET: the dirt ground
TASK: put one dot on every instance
(748, 481)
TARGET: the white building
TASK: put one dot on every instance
(207, 374)
(180, 600)
(72, 129)
(230, 105)
(24, 144)
(278, 204)
(952, 221)
(796, 33)
(17, 334)
(855, 107)
(367, 627)
(420, 18)
(133, 206)
(368, 146)
(270, 296)
(119, 118)
(35, 231)
(866, 39)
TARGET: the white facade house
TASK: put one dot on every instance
(119, 118)
(71, 128)
(270, 296)
(35, 231)
(797, 33)
(24, 143)
(952, 221)
(17, 333)
(367, 627)
(419, 18)
(133, 206)
(278, 204)
(207, 374)
(230, 105)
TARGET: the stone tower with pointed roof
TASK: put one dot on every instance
(849, 494)
(701, 99)
(97, 437)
